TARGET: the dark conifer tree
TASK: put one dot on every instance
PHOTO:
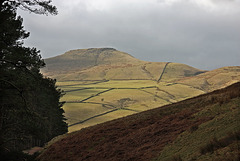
(30, 111)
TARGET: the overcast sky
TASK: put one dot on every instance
(201, 33)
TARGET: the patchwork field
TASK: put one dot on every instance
(93, 102)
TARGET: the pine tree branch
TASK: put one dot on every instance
(18, 66)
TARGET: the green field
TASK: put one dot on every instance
(92, 102)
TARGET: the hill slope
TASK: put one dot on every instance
(84, 58)
(108, 63)
(201, 128)
(214, 79)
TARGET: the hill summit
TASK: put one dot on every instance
(84, 58)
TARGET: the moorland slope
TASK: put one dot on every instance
(205, 127)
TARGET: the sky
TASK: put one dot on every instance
(204, 34)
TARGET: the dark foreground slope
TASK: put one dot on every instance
(201, 128)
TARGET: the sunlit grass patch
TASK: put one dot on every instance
(180, 91)
(116, 95)
(73, 83)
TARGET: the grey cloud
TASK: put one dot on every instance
(223, 1)
(182, 32)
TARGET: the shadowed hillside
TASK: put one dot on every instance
(201, 128)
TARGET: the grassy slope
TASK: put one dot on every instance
(188, 145)
(176, 70)
(108, 63)
(147, 71)
(173, 132)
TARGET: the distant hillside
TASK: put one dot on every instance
(214, 79)
(201, 128)
(108, 63)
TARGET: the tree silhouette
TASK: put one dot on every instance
(30, 111)
(35, 6)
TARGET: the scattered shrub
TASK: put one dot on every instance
(215, 144)
(209, 148)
